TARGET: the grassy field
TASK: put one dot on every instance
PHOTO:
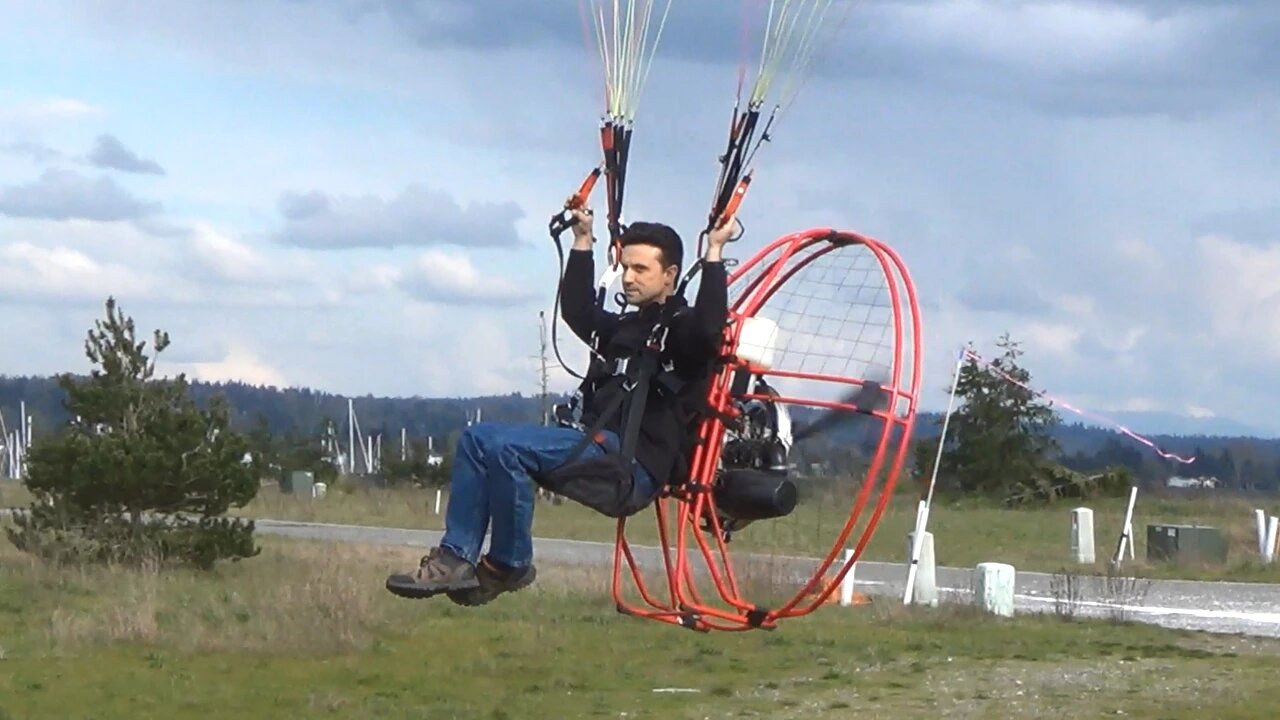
(306, 631)
(965, 532)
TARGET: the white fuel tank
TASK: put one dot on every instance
(758, 342)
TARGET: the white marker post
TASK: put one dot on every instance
(1273, 535)
(994, 586)
(1082, 551)
(922, 511)
(1132, 544)
(1260, 525)
(846, 585)
(1126, 530)
(351, 436)
(925, 588)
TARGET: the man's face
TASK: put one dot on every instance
(644, 279)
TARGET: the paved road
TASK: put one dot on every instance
(1226, 607)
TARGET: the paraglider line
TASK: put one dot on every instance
(1059, 401)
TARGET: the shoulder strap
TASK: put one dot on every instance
(634, 395)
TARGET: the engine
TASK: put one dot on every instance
(752, 483)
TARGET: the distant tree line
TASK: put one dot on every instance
(1001, 436)
(297, 410)
(1237, 465)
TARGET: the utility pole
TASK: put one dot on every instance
(542, 337)
(351, 434)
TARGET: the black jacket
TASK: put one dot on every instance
(692, 344)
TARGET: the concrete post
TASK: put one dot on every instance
(1273, 535)
(925, 591)
(1082, 536)
(994, 588)
(1260, 521)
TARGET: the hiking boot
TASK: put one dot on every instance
(440, 570)
(494, 580)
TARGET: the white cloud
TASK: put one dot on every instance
(1240, 287)
(239, 364)
(1138, 252)
(480, 352)
(375, 279)
(35, 115)
(82, 260)
(451, 278)
(1200, 412)
(1076, 304)
(233, 261)
(1052, 338)
(30, 272)
(60, 109)
(1054, 37)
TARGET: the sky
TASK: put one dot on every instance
(352, 195)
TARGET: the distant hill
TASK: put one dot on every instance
(1173, 424)
(1076, 435)
(301, 410)
(1241, 460)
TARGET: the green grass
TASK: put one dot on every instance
(966, 532)
(306, 631)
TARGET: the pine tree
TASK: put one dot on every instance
(141, 473)
(999, 440)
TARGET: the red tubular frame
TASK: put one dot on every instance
(685, 605)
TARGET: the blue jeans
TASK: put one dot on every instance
(490, 485)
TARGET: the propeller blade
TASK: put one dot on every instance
(866, 399)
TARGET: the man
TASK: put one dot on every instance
(494, 469)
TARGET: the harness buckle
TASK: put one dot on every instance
(658, 338)
(630, 381)
(620, 366)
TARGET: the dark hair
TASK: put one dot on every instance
(658, 235)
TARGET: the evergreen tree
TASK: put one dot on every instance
(1000, 436)
(141, 473)
(262, 449)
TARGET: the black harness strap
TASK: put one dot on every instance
(589, 434)
(641, 371)
(633, 399)
(637, 397)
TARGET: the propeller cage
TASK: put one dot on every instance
(821, 320)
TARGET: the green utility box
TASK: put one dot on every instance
(1186, 544)
(299, 482)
